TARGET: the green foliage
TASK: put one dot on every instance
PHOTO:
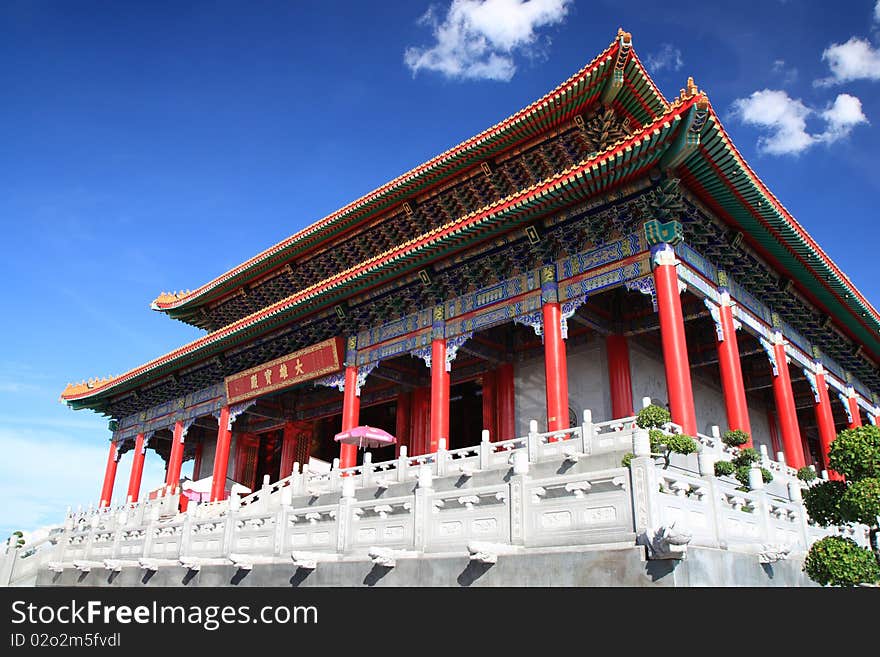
(746, 457)
(627, 459)
(855, 453)
(653, 416)
(735, 438)
(666, 445)
(681, 444)
(724, 468)
(822, 502)
(861, 502)
(658, 439)
(840, 562)
(806, 474)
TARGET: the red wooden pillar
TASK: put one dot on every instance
(855, 415)
(439, 395)
(175, 461)
(402, 422)
(555, 363)
(774, 433)
(619, 376)
(137, 469)
(288, 449)
(221, 456)
(351, 408)
(197, 462)
(490, 405)
(109, 477)
(421, 400)
(825, 420)
(505, 397)
(785, 407)
(675, 356)
(731, 370)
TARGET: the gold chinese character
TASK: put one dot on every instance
(299, 366)
(282, 372)
(268, 375)
(254, 382)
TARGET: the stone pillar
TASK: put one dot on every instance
(109, 476)
(221, 455)
(505, 397)
(555, 363)
(675, 356)
(619, 376)
(784, 398)
(137, 468)
(351, 408)
(729, 364)
(175, 461)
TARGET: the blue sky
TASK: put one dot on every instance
(152, 146)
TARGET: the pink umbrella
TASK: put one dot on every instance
(365, 436)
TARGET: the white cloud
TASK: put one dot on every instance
(667, 57)
(842, 116)
(856, 59)
(477, 39)
(789, 75)
(785, 120)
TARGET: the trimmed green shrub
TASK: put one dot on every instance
(806, 474)
(746, 457)
(735, 438)
(855, 453)
(840, 561)
(822, 502)
(627, 459)
(724, 468)
(652, 416)
(861, 502)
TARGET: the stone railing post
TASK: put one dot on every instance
(762, 508)
(422, 511)
(532, 447)
(343, 515)
(229, 532)
(485, 449)
(587, 432)
(518, 501)
(402, 464)
(441, 458)
(644, 485)
(281, 521)
(8, 564)
(186, 533)
(296, 480)
(367, 470)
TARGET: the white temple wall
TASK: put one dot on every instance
(588, 387)
(209, 447)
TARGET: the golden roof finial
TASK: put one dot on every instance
(165, 297)
(626, 36)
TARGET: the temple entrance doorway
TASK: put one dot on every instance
(465, 414)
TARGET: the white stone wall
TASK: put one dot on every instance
(588, 388)
(209, 447)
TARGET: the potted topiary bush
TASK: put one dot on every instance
(836, 560)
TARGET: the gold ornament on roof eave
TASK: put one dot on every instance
(73, 389)
(171, 297)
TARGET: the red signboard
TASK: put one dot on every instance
(309, 363)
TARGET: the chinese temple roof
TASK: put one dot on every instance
(635, 97)
(684, 136)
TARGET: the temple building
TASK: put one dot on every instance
(603, 245)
